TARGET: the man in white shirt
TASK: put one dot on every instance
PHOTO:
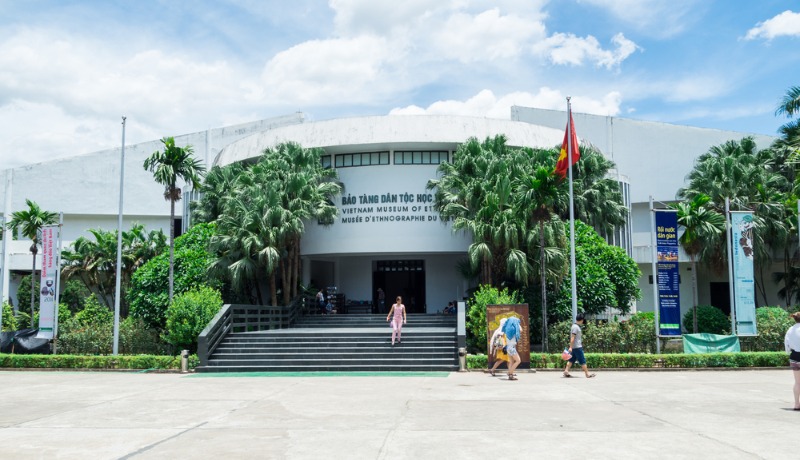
(792, 344)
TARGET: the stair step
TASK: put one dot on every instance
(341, 343)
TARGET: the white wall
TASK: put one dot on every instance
(655, 156)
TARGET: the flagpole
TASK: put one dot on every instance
(571, 214)
(119, 244)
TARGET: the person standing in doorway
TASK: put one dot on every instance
(381, 300)
(576, 348)
(321, 301)
(398, 315)
(792, 344)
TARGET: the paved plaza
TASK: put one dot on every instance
(618, 415)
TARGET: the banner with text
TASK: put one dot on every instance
(47, 293)
(667, 279)
(743, 279)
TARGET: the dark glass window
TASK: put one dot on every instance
(423, 157)
(346, 160)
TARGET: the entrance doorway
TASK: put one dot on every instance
(405, 278)
(721, 296)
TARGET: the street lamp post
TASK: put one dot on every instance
(119, 244)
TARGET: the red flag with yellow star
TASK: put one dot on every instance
(570, 142)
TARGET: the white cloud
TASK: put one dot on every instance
(486, 104)
(487, 36)
(784, 24)
(62, 96)
(653, 17)
(328, 71)
(563, 48)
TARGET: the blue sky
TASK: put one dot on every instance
(70, 69)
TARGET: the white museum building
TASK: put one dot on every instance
(386, 234)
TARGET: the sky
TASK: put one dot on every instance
(70, 69)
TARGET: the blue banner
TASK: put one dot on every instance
(744, 290)
(668, 278)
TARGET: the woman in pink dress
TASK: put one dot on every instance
(398, 315)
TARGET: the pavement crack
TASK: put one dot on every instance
(150, 446)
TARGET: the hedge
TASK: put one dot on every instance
(646, 361)
(95, 362)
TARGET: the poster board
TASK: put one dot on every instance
(494, 313)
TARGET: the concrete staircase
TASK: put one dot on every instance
(341, 343)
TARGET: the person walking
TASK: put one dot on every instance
(496, 344)
(792, 344)
(398, 315)
(512, 329)
(576, 348)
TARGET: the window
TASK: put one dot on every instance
(420, 157)
(325, 160)
(346, 160)
(400, 265)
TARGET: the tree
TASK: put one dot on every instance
(541, 194)
(263, 218)
(479, 192)
(597, 197)
(148, 294)
(168, 166)
(701, 227)
(747, 177)
(790, 104)
(30, 222)
(94, 261)
(215, 189)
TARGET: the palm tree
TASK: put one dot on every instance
(167, 167)
(30, 221)
(790, 104)
(597, 197)
(701, 225)
(477, 191)
(216, 187)
(540, 194)
(738, 171)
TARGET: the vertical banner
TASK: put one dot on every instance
(494, 313)
(667, 279)
(47, 292)
(743, 279)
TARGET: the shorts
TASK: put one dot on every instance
(577, 355)
(511, 348)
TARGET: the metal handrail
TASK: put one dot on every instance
(246, 318)
(214, 332)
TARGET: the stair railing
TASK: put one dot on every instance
(214, 332)
(246, 318)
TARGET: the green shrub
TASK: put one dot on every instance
(74, 295)
(9, 321)
(647, 361)
(636, 335)
(95, 314)
(709, 320)
(189, 314)
(24, 300)
(136, 337)
(95, 362)
(148, 295)
(476, 314)
(771, 323)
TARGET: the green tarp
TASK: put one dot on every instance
(710, 343)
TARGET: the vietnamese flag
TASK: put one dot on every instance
(570, 141)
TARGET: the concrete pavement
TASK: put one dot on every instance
(618, 415)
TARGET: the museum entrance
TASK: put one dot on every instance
(405, 278)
